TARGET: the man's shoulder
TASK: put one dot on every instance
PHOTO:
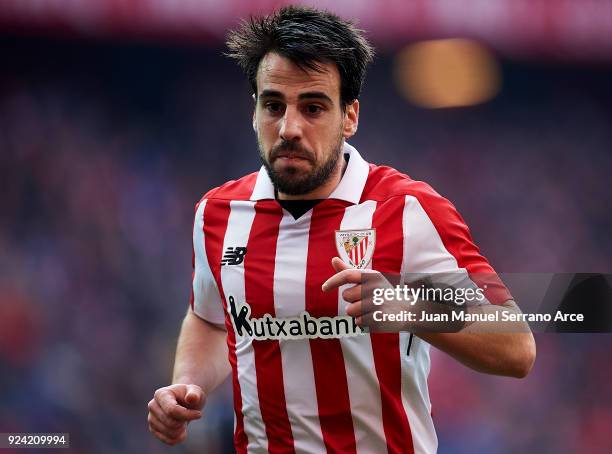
(240, 189)
(385, 182)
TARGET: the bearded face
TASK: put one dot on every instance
(301, 125)
(294, 170)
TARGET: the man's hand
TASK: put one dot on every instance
(346, 275)
(393, 311)
(172, 408)
(359, 308)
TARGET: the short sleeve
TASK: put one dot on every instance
(437, 240)
(205, 299)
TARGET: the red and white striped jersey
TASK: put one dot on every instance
(305, 378)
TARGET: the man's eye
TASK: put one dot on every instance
(273, 107)
(314, 109)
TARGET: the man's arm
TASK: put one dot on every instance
(479, 346)
(201, 364)
(201, 354)
(500, 353)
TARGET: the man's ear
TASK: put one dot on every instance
(351, 119)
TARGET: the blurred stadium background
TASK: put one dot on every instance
(116, 116)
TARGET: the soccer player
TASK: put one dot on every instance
(277, 260)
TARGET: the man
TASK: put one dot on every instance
(269, 290)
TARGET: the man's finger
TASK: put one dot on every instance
(157, 412)
(349, 276)
(159, 434)
(184, 414)
(170, 407)
(160, 427)
(360, 309)
(352, 294)
(166, 399)
(194, 397)
(339, 264)
(354, 309)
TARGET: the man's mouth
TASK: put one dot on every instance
(290, 156)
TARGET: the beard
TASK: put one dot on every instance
(293, 180)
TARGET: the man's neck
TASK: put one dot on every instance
(323, 191)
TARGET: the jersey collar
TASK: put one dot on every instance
(349, 189)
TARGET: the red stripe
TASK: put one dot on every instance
(362, 248)
(191, 295)
(327, 359)
(234, 189)
(259, 293)
(387, 221)
(216, 215)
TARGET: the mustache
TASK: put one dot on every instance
(295, 149)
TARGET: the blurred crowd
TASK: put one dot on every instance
(106, 147)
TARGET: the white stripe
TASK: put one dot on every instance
(415, 393)
(232, 278)
(206, 299)
(364, 390)
(289, 300)
(423, 253)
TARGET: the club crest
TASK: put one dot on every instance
(356, 247)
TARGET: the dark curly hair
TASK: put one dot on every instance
(307, 37)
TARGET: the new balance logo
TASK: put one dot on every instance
(233, 256)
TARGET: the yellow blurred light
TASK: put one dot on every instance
(447, 73)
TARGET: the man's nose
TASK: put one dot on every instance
(291, 125)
